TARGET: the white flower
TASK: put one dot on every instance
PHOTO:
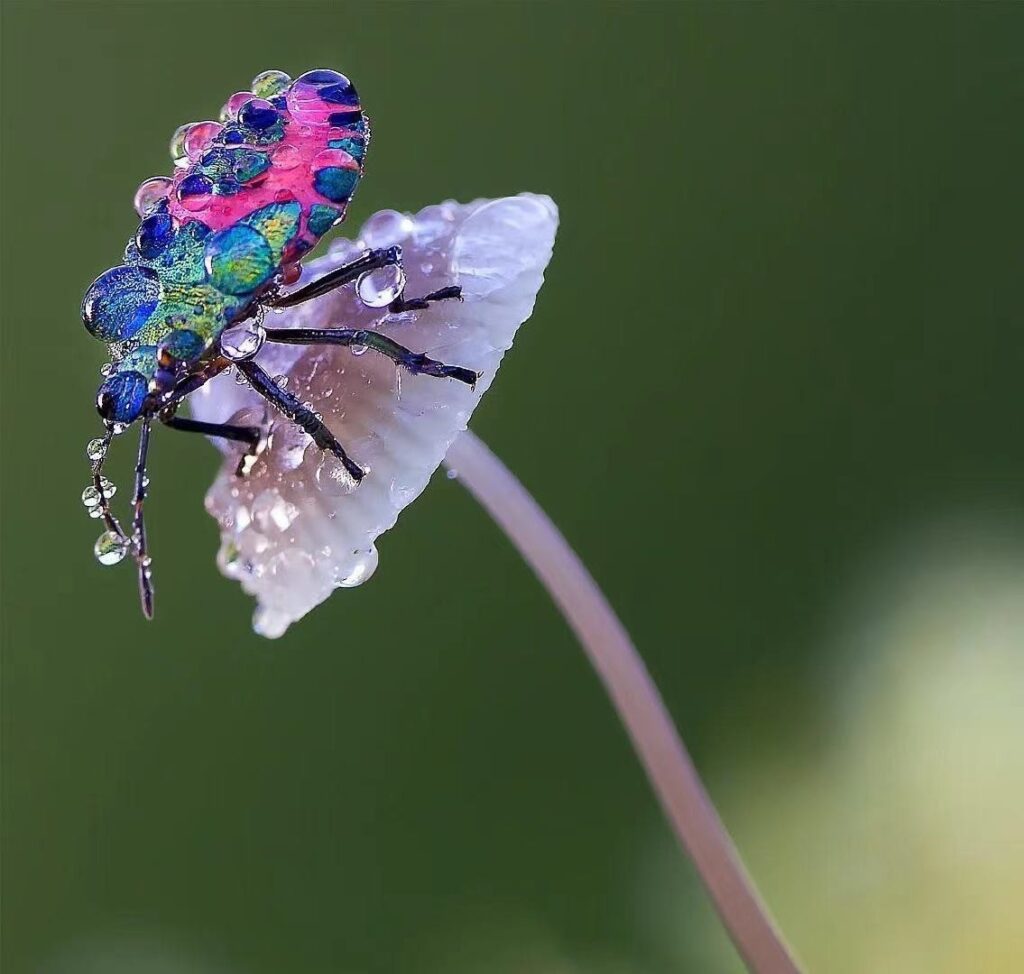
(293, 530)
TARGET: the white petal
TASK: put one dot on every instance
(290, 536)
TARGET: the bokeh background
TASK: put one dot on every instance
(771, 391)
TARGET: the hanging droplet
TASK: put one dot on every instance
(91, 496)
(242, 341)
(379, 287)
(364, 565)
(107, 487)
(357, 349)
(110, 548)
(95, 512)
(107, 369)
(281, 381)
(150, 193)
(96, 449)
(332, 478)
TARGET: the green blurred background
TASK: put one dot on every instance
(772, 393)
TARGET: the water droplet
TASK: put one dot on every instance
(240, 379)
(361, 569)
(107, 369)
(285, 156)
(91, 497)
(96, 449)
(107, 487)
(379, 287)
(178, 154)
(242, 341)
(95, 512)
(387, 227)
(357, 349)
(150, 193)
(198, 136)
(118, 428)
(332, 478)
(452, 473)
(110, 548)
(234, 104)
(281, 380)
(267, 84)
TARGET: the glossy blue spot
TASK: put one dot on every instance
(195, 185)
(182, 344)
(279, 101)
(322, 76)
(120, 398)
(335, 183)
(154, 234)
(233, 136)
(346, 119)
(120, 301)
(321, 218)
(256, 117)
(340, 94)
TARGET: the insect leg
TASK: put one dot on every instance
(414, 362)
(142, 558)
(287, 404)
(251, 436)
(339, 277)
(418, 304)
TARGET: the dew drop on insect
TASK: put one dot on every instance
(281, 381)
(267, 84)
(96, 449)
(110, 548)
(242, 341)
(95, 512)
(357, 349)
(233, 104)
(379, 287)
(107, 487)
(91, 497)
(178, 154)
(107, 369)
(150, 193)
(198, 136)
(332, 478)
(285, 156)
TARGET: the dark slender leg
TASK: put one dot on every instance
(286, 403)
(339, 277)
(142, 558)
(418, 304)
(414, 362)
(251, 436)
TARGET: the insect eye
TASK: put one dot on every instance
(120, 398)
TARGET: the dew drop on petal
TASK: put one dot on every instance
(242, 341)
(332, 478)
(110, 548)
(379, 287)
(150, 193)
(96, 449)
(386, 228)
(361, 569)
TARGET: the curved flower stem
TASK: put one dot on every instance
(671, 771)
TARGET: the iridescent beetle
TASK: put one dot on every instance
(217, 242)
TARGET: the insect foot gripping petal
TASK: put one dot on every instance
(298, 528)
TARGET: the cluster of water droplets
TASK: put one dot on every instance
(110, 547)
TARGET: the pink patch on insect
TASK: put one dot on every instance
(294, 160)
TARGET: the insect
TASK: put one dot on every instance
(218, 243)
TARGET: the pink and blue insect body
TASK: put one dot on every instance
(250, 196)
